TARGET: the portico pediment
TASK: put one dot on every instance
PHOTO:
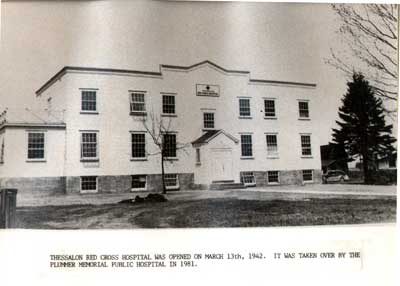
(218, 139)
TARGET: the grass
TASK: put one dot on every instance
(222, 212)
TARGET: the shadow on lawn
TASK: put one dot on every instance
(210, 213)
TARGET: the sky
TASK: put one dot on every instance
(274, 41)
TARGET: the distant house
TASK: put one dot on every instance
(387, 162)
(334, 157)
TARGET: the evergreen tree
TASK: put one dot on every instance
(363, 130)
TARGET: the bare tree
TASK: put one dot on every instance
(370, 32)
(158, 127)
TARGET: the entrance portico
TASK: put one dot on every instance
(215, 151)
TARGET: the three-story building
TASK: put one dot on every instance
(218, 125)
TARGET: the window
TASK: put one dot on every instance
(307, 175)
(138, 145)
(2, 152)
(171, 181)
(273, 177)
(306, 145)
(303, 109)
(244, 107)
(208, 120)
(89, 184)
(272, 145)
(169, 145)
(269, 108)
(139, 182)
(89, 146)
(35, 145)
(89, 100)
(247, 147)
(137, 102)
(247, 178)
(168, 104)
(198, 158)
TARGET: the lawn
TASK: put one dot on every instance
(217, 212)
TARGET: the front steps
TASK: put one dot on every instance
(225, 185)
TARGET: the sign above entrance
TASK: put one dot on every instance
(207, 90)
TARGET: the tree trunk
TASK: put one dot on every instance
(367, 178)
(162, 174)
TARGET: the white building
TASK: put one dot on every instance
(91, 136)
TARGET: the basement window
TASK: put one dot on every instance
(247, 178)
(273, 177)
(171, 181)
(307, 176)
(139, 183)
(89, 184)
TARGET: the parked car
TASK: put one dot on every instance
(334, 176)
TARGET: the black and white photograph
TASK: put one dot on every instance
(222, 142)
(162, 114)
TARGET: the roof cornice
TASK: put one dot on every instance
(66, 69)
(33, 125)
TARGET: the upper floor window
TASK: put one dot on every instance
(36, 145)
(269, 108)
(272, 145)
(138, 145)
(208, 120)
(303, 109)
(306, 145)
(89, 100)
(168, 104)
(137, 101)
(169, 145)
(244, 107)
(89, 146)
(246, 145)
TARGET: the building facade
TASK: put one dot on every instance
(217, 125)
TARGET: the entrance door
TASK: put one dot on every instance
(222, 164)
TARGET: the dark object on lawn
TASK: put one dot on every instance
(155, 198)
(148, 199)
(129, 201)
(139, 199)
